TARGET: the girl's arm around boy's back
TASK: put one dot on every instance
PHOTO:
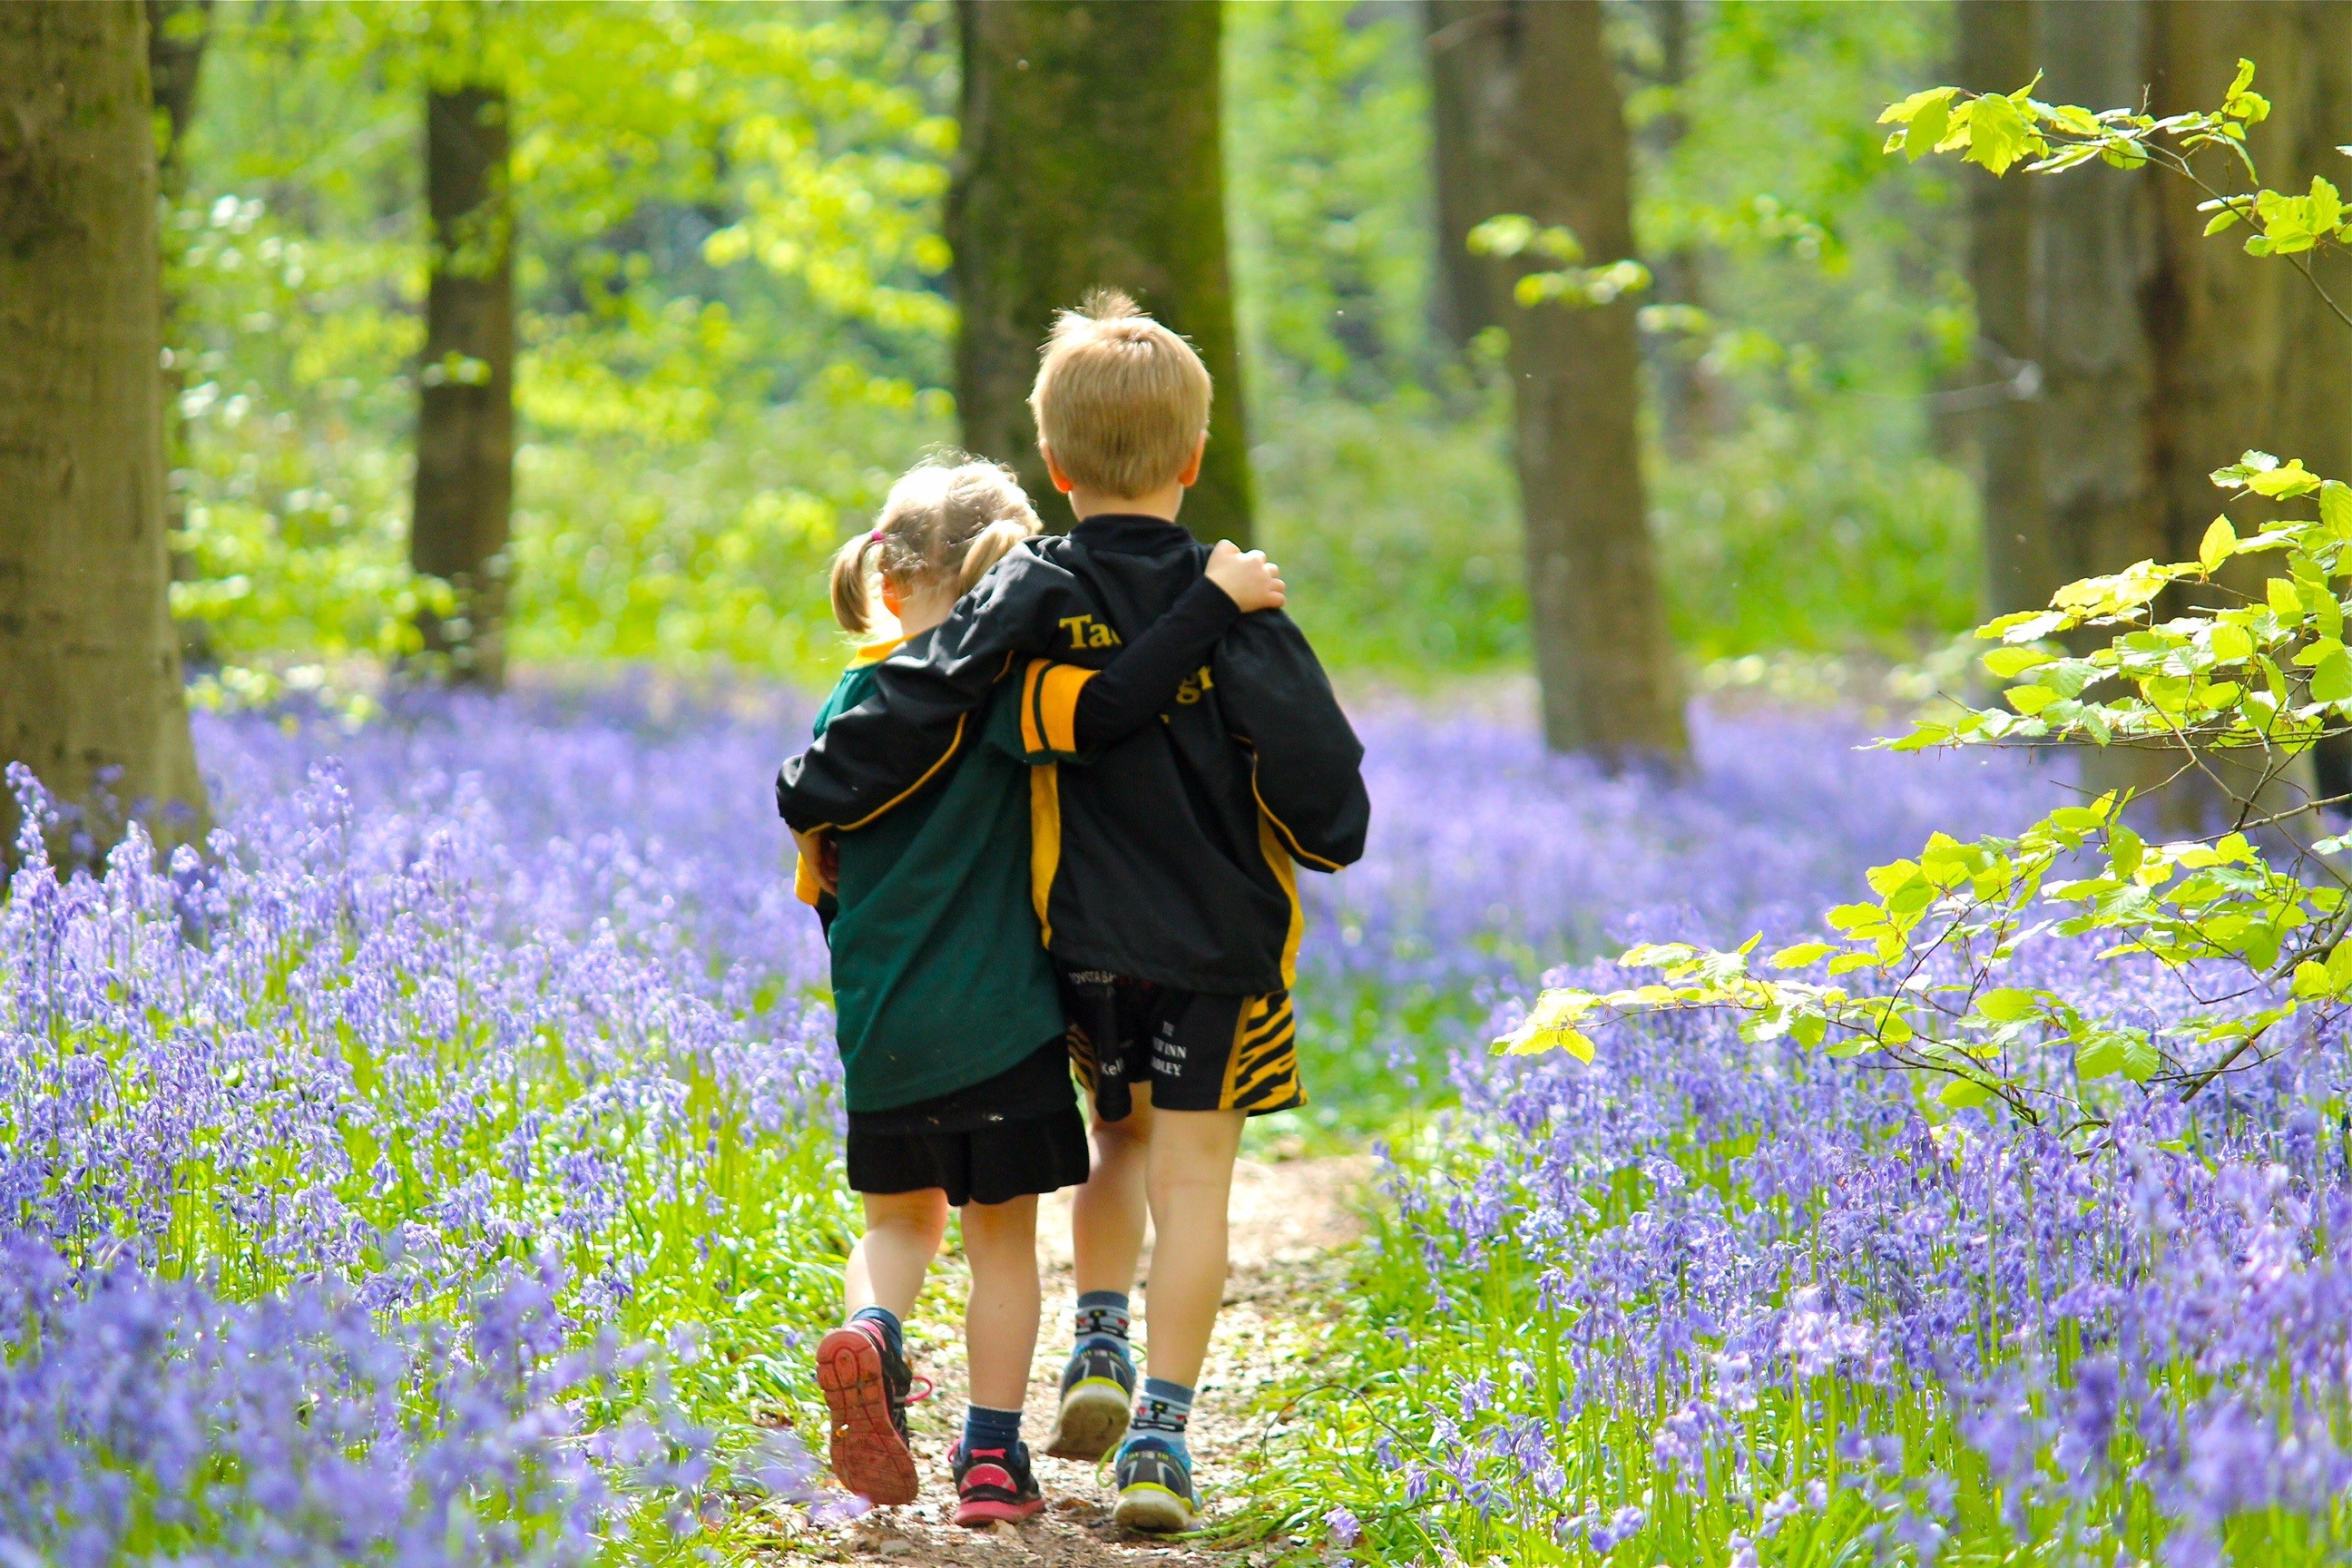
(921, 709)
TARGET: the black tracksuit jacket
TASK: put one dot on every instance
(1167, 856)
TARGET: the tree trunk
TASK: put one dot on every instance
(1550, 142)
(1996, 55)
(1091, 157)
(89, 673)
(176, 34)
(2097, 254)
(1690, 400)
(1463, 48)
(2248, 355)
(465, 424)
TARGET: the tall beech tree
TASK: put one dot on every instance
(1548, 140)
(90, 691)
(1091, 156)
(465, 421)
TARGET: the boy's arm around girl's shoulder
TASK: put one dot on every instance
(1308, 765)
(920, 710)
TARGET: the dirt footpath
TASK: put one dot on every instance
(1291, 1221)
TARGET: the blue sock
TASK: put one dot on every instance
(1103, 1319)
(892, 1335)
(1161, 1412)
(985, 1429)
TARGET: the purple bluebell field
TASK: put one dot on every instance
(486, 999)
(472, 1096)
(1707, 1301)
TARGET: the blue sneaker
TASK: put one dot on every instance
(1098, 1389)
(1155, 1488)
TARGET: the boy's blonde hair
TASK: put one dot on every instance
(1120, 399)
(946, 522)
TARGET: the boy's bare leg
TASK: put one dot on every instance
(1000, 1321)
(902, 1235)
(1189, 1179)
(1107, 1213)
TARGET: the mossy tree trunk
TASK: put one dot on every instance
(465, 424)
(1548, 139)
(1091, 156)
(90, 694)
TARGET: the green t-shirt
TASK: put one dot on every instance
(939, 975)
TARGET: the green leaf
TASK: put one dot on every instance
(2230, 643)
(2327, 207)
(1965, 1094)
(2030, 699)
(1801, 956)
(2099, 1056)
(2332, 682)
(2312, 979)
(1926, 128)
(2221, 542)
(1905, 112)
(2009, 663)
(1998, 135)
(1551, 1026)
(2335, 508)
(2220, 220)
(2284, 601)
(2125, 849)
(2293, 480)
(2008, 1004)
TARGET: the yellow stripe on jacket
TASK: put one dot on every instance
(1049, 706)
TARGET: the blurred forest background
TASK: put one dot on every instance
(734, 323)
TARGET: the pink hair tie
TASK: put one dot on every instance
(876, 537)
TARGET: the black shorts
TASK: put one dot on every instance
(1199, 1052)
(1010, 1136)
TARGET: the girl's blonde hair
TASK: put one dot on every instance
(945, 523)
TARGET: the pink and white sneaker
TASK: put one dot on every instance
(992, 1484)
(867, 1387)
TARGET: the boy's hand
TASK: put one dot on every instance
(1249, 578)
(822, 856)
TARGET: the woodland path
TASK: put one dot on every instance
(1292, 1223)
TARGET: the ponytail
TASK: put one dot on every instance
(990, 545)
(853, 584)
(944, 523)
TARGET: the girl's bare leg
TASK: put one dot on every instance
(902, 1236)
(1000, 1321)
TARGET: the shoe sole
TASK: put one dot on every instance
(1092, 1420)
(980, 1512)
(869, 1458)
(1154, 1509)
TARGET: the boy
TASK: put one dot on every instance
(1163, 868)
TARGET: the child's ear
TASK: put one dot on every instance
(890, 599)
(1062, 481)
(1192, 474)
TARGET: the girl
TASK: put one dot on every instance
(954, 1067)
